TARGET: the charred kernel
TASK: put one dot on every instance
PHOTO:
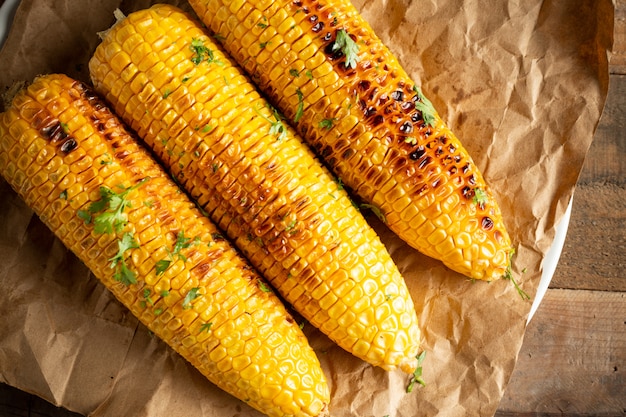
(318, 27)
(327, 37)
(452, 149)
(69, 145)
(397, 95)
(313, 19)
(407, 106)
(467, 192)
(465, 168)
(425, 161)
(370, 111)
(364, 85)
(406, 128)
(418, 153)
(487, 223)
(439, 151)
(471, 179)
(377, 120)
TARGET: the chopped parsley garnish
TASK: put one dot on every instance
(480, 197)
(191, 295)
(294, 72)
(262, 45)
(277, 127)
(182, 242)
(123, 274)
(348, 47)
(309, 74)
(416, 378)
(300, 109)
(166, 93)
(375, 210)
(327, 123)
(63, 195)
(425, 107)
(206, 327)
(109, 209)
(509, 276)
(263, 286)
(202, 53)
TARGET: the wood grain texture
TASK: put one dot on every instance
(618, 58)
(572, 360)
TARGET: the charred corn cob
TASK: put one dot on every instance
(172, 84)
(323, 66)
(109, 202)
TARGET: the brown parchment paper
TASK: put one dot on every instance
(522, 84)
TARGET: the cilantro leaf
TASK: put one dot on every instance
(378, 212)
(416, 378)
(205, 327)
(191, 295)
(123, 273)
(348, 47)
(480, 197)
(202, 53)
(425, 107)
(300, 109)
(327, 123)
(277, 127)
(263, 286)
(162, 265)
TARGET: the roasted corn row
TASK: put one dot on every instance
(322, 65)
(171, 83)
(109, 202)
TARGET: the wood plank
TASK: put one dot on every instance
(573, 361)
(618, 58)
(594, 254)
(605, 161)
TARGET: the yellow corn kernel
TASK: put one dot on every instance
(428, 159)
(191, 292)
(259, 182)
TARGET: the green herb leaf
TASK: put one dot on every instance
(480, 197)
(191, 295)
(416, 378)
(277, 127)
(300, 109)
(183, 242)
(375, 210)
(84, 215)
(263, 286)
(509, 276)
(63, 195)
(166, 93)
(205, 327)
(162, 265)
(348, 47)
(201, 53)
(327, 123)
(425, 107)
(124, 274)
(294, 72)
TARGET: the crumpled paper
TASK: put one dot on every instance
(522, 84)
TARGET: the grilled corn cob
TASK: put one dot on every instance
(109, 202)
(323, 66)
(172, 84)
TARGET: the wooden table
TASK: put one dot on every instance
(573, 360)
